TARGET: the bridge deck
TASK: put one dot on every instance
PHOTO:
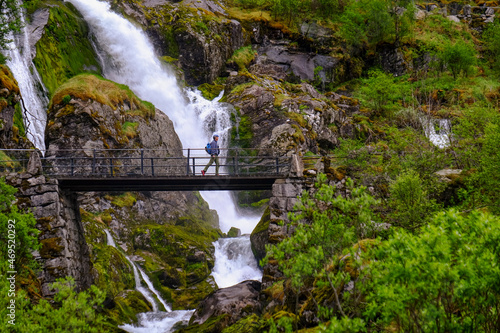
(180, 183)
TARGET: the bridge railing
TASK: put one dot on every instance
(148, 162)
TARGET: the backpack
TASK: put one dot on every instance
(207, 149)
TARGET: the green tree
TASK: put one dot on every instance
(324, 232)
(18, 237)
(72, 312)
(379, 91)
(492, 42)
(10, 21)
(376, 21)
(459, 58)
(490, 166)
(412, 205)
(445, 279)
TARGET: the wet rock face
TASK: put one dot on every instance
(197, 34)
(235, 302)
(11, 125)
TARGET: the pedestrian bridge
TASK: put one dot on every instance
(150, 169)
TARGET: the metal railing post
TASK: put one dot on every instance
(72, 167)
(187, 164)
(111, 167)
(236, 164)
(194, 167)
(277, 166)
(142, 161)
(93, 161)
(152, 167)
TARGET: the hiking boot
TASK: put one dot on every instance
(203, 172)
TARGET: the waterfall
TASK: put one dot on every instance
(129, 58)
(152, 322)
(234, 262)
(30, 85)
(437, 130)
(138, 285)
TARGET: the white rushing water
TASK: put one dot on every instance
(234, 262)
(437, 130)
(156, 321)
(35, 100)
(129, 58)
(146, 291)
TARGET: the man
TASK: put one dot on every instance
(214, 153)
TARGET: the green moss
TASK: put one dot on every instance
(250, 324)
(127, 199)
(253, 200)
(130, 129)
(233, 232)
(242, 134)
(182, 279)
(18, 121)
(212, 325)
(263, 224)
(64, 49)
(210, 91)
(126, 306)
(94, 87)
(51, 247)
(243, 57)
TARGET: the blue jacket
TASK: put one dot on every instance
(214, 148)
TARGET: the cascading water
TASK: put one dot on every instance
(437, 130)
(35, 101)
(235, 262)
(151, 322)
(138, 285)
(129, 58)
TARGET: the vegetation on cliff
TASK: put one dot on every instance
(29, 311)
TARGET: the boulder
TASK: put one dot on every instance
(234, 303)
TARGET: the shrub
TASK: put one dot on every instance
(442, 280)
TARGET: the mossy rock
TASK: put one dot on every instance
(233, 232)
(94, 87)
(182, 258)
(210, 91)
(64, 50)
(260, 236)
(250, 324)
(51, 247)
(252, 201)
(212, 325)
(123, 308)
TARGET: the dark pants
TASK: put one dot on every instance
(213, 159)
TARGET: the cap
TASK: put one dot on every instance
(216, 135)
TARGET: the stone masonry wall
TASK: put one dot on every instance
(285, 194)
(64, 251)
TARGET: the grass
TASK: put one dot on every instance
(243, 57)
(93, 87)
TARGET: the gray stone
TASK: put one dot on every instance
(50, 210)
(297, 166)
(277, 203)
(237, 302)
(36, 28)
(467, 10)
(290, 204)
(453, 18)
(44, 199)
(447, 175)
(36, 181)
(34, 163)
